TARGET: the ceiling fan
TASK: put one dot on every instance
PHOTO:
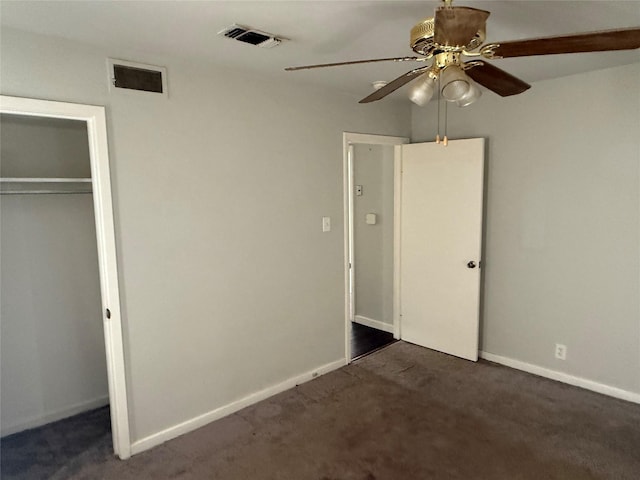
(458, 32)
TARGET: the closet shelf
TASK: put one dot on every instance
(31, 186)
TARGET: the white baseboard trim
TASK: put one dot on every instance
(34, 422)
(563, 377)
(215, 414)
(370, 322)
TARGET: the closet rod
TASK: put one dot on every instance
(44, 192)
(44, 186)
(44, 180)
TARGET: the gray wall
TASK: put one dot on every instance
(228, 283)
(52, 352)
(562, 260)
(373, 244)
(43, 147)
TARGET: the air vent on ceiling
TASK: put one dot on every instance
(251, 36)
(137, 76)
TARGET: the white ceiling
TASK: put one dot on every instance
(319, 31)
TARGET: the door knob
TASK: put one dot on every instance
(471, 264)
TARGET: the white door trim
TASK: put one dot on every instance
(95, 118)
(397, 224)
(348, 141)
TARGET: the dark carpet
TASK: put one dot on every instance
(365, 340)
(41, 452)
(401, 413)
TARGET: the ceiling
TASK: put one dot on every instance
(318, 31)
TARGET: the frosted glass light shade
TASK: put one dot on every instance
(473, 94)
(422, 91)
(455, 84)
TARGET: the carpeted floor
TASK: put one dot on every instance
(401, 413)
(41, 452)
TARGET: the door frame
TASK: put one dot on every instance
(95, 118)
(348, 141)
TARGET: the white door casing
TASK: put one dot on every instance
(441, 232)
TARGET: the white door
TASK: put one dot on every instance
(440, 245)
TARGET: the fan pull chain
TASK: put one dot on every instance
(438, 132)
(445, 141)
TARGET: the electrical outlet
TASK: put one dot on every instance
(561, 351)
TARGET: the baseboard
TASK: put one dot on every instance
(370, 322)
(563, 377)
(202, 420)
(35, 422)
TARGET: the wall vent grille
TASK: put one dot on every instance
(138, 77)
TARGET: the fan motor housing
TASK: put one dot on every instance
(422, 34)
(422, 37)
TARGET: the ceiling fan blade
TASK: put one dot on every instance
(456, 26)
(497, 80)
(397, 59)
(394, 85)
(620, 39)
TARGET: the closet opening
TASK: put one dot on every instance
(62, 365)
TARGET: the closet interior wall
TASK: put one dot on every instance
(52, 341)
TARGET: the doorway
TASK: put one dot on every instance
(34, 191)
(370, 174)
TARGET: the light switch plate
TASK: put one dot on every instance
(358, 190)
(326, 224)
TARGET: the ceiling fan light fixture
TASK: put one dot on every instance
(455, 84)
(422, 90)
(473, 94)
